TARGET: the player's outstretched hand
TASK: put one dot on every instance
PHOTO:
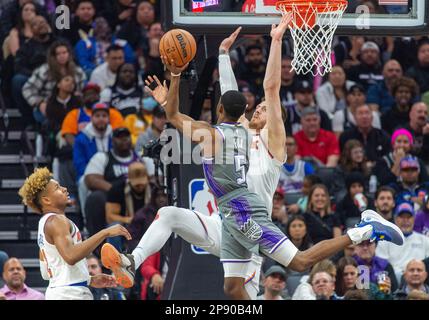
(103, 281)
(277, 32)
(118, 230)
(228, 42)
(171, 65)
(160, 92)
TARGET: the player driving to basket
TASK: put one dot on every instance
(247, 229)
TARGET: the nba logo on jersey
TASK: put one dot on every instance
(203, 201)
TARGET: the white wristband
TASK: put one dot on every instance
(164, 103)
(175, 75)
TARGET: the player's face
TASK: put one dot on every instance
(259, 118)
(57, 196)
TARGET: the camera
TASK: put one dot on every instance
(153, 149)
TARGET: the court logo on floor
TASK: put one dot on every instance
(203, 201)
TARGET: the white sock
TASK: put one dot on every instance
(186, 224)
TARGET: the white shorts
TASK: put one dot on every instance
(68, 293)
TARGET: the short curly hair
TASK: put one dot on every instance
(33, 186)
(410, 83)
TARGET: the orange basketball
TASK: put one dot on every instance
(179, 45)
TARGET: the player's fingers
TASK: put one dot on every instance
(165, 83)
(157, 80)
(236, 32)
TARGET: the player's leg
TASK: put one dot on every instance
(193, 227)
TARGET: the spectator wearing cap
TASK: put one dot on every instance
(375, 141)
(379, 96)
(294, 170)
(408, 188)
(416, 245)
(304, 99)
(415, 276)
(279, 214)
(331, 96)
(419, 128)
(420, 71)
(369, 71)
(15, 288)
(274, 284)
(348, 208)
(102, 171)
(421, 224)
(105, 74)
(125, 198)
(404, 90)
(365, 256)
(288, 83)
(316, 143)
(387, 169)
(344, 119)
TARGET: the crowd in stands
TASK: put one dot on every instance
(356, 139)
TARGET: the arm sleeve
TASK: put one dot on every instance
(227, 77)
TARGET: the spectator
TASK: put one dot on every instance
(301, 204)
(322, 223)
(30, 56)
(385, 202)
(15, 288)
(154, 131)
(94, 268)
(39, 87)
(408, 188)
(289, 83)
(154, 271)
(365, 257)
(368, 72)
(293, 171)
(253, 69)
(348, 209)
(404, 90)
(279, 214)
(347, 275)
(125, 198)
(135, 30)
(149, 57)
(380, 96)
(415, 276)
(305, 289)
(101, 172)
(348, 49)
(356, 294)
(91, 52)
(375, 141)
(331, 96)
(352, 160)
(82, 25)
(316, 143)
(118, 12)
(419, 128)
(416, 245)
(421, 224)
(243, 87)
(388, 169)
(274, 284)
(324, 286)
(417, 295)
(105, 74)
(419, 72)
(304, 99)
(125, 95)
(96, 137)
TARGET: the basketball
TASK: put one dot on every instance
(179, 45)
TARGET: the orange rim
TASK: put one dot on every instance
(319, 6)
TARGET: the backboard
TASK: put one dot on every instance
(375, 17)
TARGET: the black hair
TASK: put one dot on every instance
(385, 189)
(78, 3)
(136, 75)
(114, 47)
(234, 104)
(306, 242)
(312, 178)
(252, 47)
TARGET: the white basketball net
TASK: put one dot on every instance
(312, 45)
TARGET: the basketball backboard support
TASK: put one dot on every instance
(387, 17)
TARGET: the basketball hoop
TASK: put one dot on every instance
(312, 27)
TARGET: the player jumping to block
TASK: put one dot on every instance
(246, 225)
(62, 251)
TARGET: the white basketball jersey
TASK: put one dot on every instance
(264, 172)
(60, 272)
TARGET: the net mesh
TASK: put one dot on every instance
(312, 28)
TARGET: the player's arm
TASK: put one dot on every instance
(272, 84)
(58, 229)
(198, 131)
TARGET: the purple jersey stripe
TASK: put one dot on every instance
(211, 182)
(241, 210)
(278, 245)
(270, 238)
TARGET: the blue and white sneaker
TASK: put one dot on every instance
(381, 228)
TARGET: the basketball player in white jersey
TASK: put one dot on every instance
(266, 158)
(62, 251)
